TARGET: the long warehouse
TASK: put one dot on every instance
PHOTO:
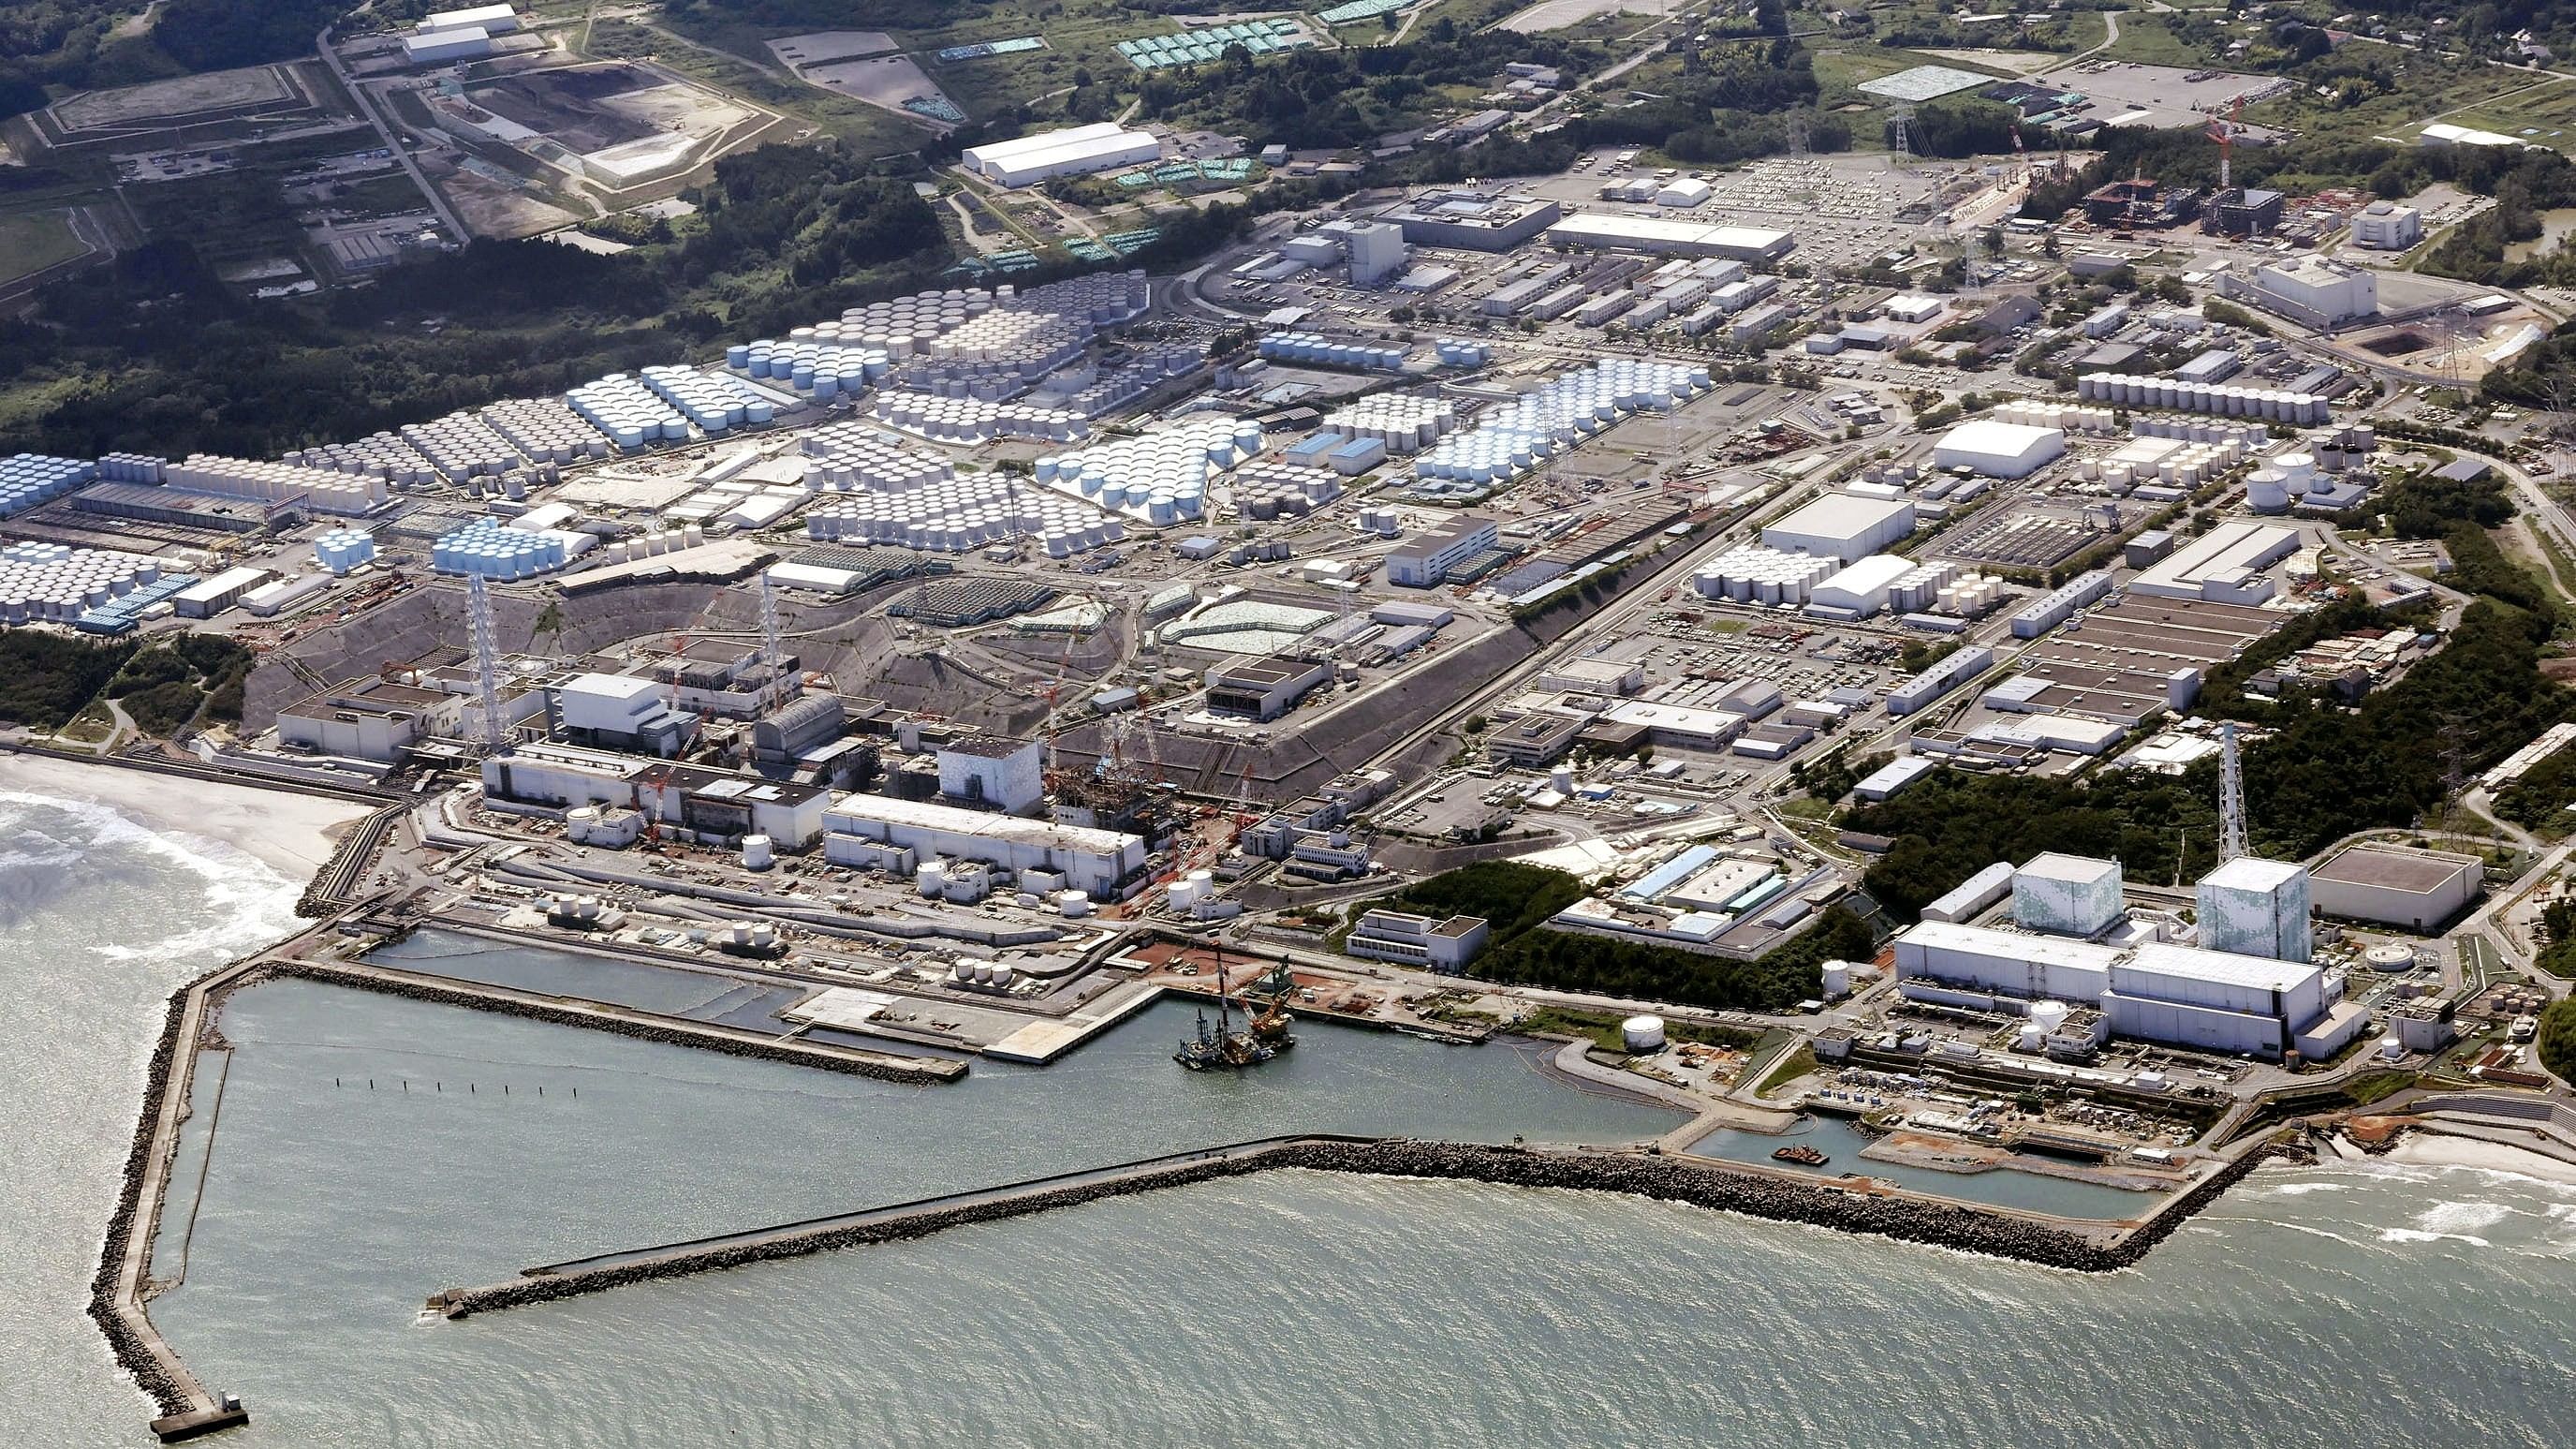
(1074, 151)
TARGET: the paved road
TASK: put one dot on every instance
(393, 140)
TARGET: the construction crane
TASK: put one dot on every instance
(2223, 131)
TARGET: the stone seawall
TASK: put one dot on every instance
(130, 1216)
(890, 1069)
(1945, 1225)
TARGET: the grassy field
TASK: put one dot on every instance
(2148, 40)
(33, 241)
(2542, 113)
(2432, 87)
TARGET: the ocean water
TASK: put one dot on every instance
(100, 919)
(2349, 1303)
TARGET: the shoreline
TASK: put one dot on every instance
(292, 833)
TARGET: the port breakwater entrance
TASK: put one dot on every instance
(1699, 1182)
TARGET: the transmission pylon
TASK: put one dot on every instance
(1901, 136)
(2231, 798)
(1797, 135)
(486, 640)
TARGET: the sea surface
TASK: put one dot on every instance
(2364, 1303)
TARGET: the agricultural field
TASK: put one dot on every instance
(33, 241)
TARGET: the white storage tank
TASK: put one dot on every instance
(931, 880)
(1642, 1033)
(757, 853)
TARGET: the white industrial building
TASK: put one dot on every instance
(713, 805)
(2316, 291)
(1073, 151)
(490, 19)
(2256, 907)
(2388, 227)
(1842, 525)
(2224, 565)
(1377, 252)
(1683, 191)
(2157, 991)
(1411, 940)
(2392, 885)
(1424, 560)
(1999, 449)
(1670, 236)
(993, 773)
(438, 47)
(1861, 588)
(2067, 895)
(907, 836)
(621, 711)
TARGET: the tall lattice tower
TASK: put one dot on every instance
(2231, 799)
(1901, 136)
(772, 652)
(1798, 136)
(486, 639)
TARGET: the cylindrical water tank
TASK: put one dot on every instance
(757, 853)
(1642, 1033)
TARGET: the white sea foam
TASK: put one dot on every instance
(245, 904)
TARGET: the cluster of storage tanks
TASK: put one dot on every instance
(754, 936)
(1572, 406)
(968, 974)
(379, 455)
(2184, 430)
(588, 912)
(56, 583)
(132, 468)
(1459, 352)
(2053, 415)
(1266, 490)
(1316, 349)
(713, 401)
(2283, 477)
(316, 488)
(29, 479)
(653, 545)
(1966, 597)
(2187, 466)
(972, 420)
(1010, 345)
(489, 547)
(1756, 574)
(343, 549)
(848, 458)
(961, 514)
(904, 327)
(2199, 397)
(627, 412)
(1162, 477)
(1404, 423)
(825, 369)
(1185, 893)
(546, 430)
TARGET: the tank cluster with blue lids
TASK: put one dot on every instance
(1316, 348)
(30, 479)
(343, 549)
(489, 547)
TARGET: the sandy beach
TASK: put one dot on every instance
(2442, 1149)
(290, 833)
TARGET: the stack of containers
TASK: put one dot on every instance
(630, 414)
(29, 479)
(496, 551)
(545, 429)
(343, 549)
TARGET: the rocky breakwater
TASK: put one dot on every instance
(1856, 1210)
(150, 1373)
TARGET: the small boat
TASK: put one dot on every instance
(1799, 1153)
